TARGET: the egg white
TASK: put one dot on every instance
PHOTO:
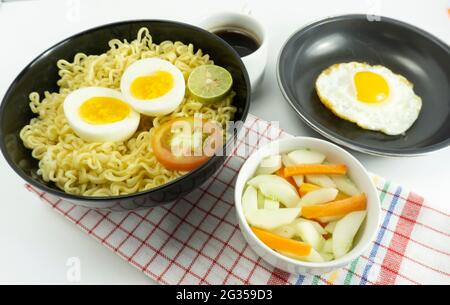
(157, 106)
(109, 132)
(393, 116)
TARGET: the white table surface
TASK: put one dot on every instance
(36, 242)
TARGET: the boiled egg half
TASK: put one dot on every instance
(153, 86)
(100, 115)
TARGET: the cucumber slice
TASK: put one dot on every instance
(321, 180)
(271, 219)
(345, 185)
(330, 227)
(345, 232)
(286, 231)
(269, 165)
(328, 246)
(303, 156)
(261, 200)
(271, 204)
(249, 200)
(309, 235)
(326, 256)
(315, 224)
(319, 196)
(276, 188)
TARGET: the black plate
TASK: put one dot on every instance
(403, 48)
(41, 75)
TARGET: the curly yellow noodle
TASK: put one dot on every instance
(110, 168)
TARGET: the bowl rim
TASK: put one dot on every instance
(310, 121)
(61, 193)
(330, 264)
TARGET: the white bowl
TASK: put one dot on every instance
(356, 172)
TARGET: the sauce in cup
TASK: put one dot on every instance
(242, 42)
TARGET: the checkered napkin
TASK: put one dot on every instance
(196, 240)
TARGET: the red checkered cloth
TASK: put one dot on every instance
(197, 240)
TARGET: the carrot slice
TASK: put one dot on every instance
(280, 173)
(339, 207)
(305, 188)
(315, 169)
(341, 196)
(279, 243)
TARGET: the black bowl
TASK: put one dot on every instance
(41, 75)
(405, 49)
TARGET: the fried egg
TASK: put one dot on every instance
(153, 86)
(373, 97)
(100, 115)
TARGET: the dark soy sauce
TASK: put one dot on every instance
(243, 43)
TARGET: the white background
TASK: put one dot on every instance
(36, 242)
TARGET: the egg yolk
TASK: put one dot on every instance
(103, 110)
(152, 86)
(370, 87)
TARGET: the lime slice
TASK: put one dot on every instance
(209, 83)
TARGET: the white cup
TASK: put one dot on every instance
(255, 62)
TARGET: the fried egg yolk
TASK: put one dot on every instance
(103, 110)
(152, 86)
(370, 87)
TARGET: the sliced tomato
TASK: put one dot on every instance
(161, 145)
